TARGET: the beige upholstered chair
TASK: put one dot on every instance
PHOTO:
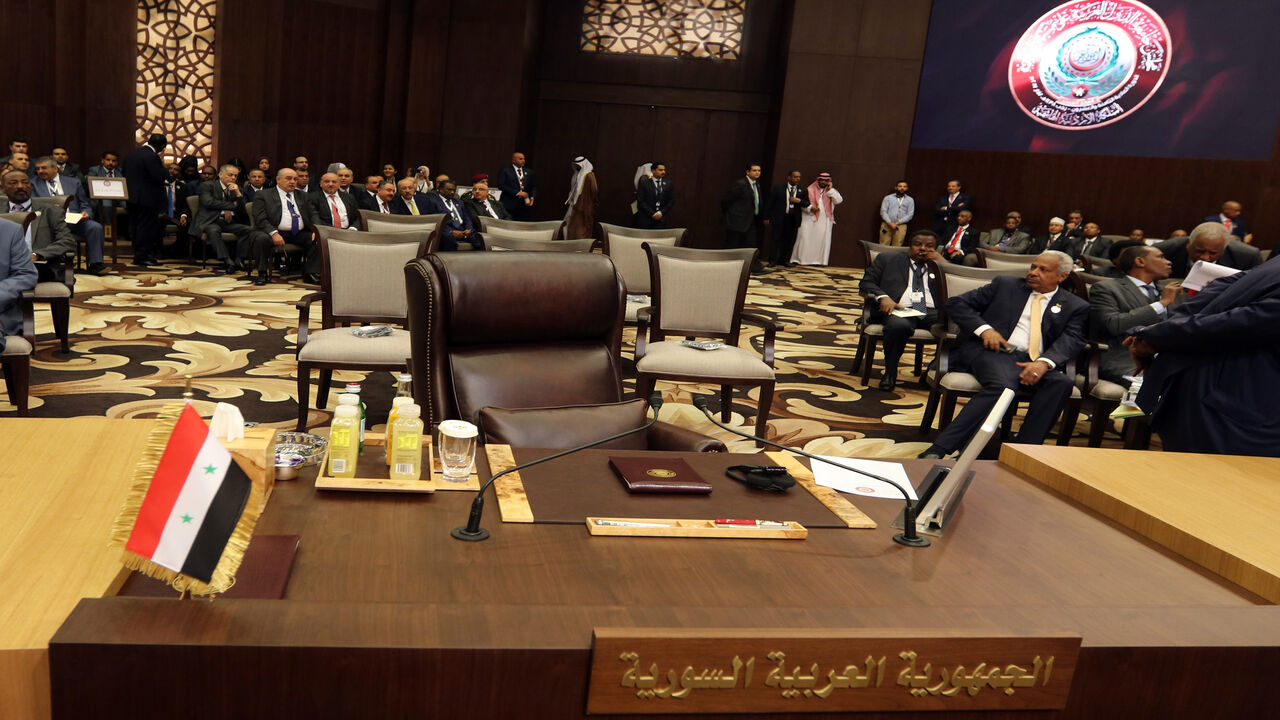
(1005, 261)
(946, 385)
(502, 233)
(700, 294)
(873, 249)
(359, 285)
(487, 224)
(625, 247)
(58, 201)
(500, 243)
(56, 294)
(373, 221)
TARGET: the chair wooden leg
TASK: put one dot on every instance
(919, 359)
(644, 386)
(322, 395)
(872, 343)
(1098, 421)
(859, 355)
(1137, 433)
(17, 380)
(61, 311)
(304, 391)
(762, 412)
(726, 402)
(1006, 423)
(930, 409)
(948, 409)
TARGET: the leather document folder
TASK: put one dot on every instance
(658, 475)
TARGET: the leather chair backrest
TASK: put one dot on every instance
(503, 233)
(513, 330)
(487, 224)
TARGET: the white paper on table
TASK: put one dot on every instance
(75, 217)
(852, 482)
(907, 313)
(1203, 273)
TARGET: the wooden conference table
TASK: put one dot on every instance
(386, 615)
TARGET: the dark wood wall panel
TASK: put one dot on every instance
(71, 76)
(848, 103)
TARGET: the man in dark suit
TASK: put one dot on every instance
(1075, 226)
(304, 183)
(481, 205)
(898, 281)
(16, 145)
(1230, 217)
(1048, 241)
(456, 225)
(1139, 298)
(108, 166)
(1090, 243)
(783, 213)
(741, 207)
(145, 174)
(960, 241)
(386, 197)
(947, 210)
(655, 197)
(177, 210)
(367, 196)
(1016, 333)
(49, 183)
(65, 166)
(50, 237)
(1215, 385)
(518, 186)
(409, 201)
(280, 217)
(256, 184)
(1211, 242)
(221, 209)
(17, 275)
(332, 201)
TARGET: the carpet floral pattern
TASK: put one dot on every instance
(136, 335)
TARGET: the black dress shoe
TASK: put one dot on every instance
(311, 278)
(96, 269)
(889, 382)
(260, 280)
(220, 270)
(929, 456)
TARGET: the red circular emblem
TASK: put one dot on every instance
(1089, 63)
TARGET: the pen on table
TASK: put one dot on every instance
(740, 522)
(627, 523)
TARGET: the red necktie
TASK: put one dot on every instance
(1228, 224)
(384, 206)
(955, 240)
(333, 205)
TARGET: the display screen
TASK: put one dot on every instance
(1180, 78)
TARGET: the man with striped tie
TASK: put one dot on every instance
(284, 216)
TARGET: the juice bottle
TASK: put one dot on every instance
(406, 458)
(404, 385)
(354, 389)
(396, 403)
(344, 439)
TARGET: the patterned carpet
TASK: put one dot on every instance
(134, 336)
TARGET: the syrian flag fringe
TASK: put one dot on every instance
(191, 512)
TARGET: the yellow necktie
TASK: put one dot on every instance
(1033, 334)
(413, 208)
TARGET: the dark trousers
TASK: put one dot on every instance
(646, 222)
(519, 211)
(747, 239)
(213, 236)
(263, 249)
(896, 331)
(145, 231)
(784, 238)
(997, 371)
(449, 243)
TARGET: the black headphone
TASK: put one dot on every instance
(762, 477)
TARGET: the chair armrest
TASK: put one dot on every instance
(943, 354)
(28, 303)
(642, 331)
(665, 436)
(771, 328)
(304, 315)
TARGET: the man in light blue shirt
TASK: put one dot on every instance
(896, 210)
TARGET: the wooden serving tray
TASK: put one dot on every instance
(694, 529)
(372, 473)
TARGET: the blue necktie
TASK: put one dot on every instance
(293, 212)
(170, 187)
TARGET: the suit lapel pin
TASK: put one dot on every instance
(1057, 308)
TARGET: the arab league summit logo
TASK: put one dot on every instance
(1089, 63)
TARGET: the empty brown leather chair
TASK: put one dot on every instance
(525, 331)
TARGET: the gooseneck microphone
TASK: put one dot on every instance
(908, 536)
(472, 532)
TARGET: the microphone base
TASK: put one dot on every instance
(917, 541)
(461, 533)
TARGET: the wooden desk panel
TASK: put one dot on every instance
(409, 622)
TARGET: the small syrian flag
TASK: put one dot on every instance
(193, 504)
